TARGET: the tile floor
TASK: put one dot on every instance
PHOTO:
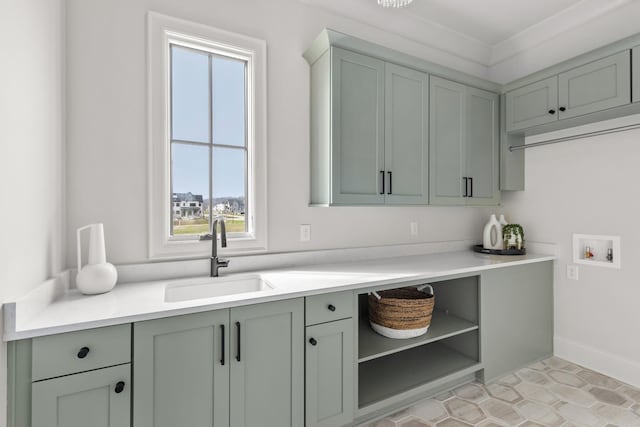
(552, 393)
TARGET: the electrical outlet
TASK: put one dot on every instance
(305, 232)
(414, 228)
(572, 272)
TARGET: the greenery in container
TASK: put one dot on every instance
(513, 236)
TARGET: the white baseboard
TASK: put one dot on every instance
(617, 367)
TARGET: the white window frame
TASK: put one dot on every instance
(162, 31)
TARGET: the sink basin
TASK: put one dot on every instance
(212, 287)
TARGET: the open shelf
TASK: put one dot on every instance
(372, 345)
(386, 377)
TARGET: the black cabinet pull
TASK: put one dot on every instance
(382, 181)
(83, 352)
(331, 307)
(471, 181)
(390, 188)
(222, 344)
(238, 338)
(562, 108)
(119, 387)
(313, 341)
(466, 186)
(552, 111)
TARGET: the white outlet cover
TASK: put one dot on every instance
(572, 272)
(305, 232)
(414, 228)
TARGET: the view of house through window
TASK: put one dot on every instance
(208, 141)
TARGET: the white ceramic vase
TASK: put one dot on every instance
(492, 235)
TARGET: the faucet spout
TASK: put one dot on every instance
(217, 263)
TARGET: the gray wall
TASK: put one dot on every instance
(107, 146)
(589, 186)
(31, 149)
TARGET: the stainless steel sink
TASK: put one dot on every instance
(211, 287)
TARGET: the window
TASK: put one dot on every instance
(207, 139)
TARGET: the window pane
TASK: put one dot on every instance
(229, 183)
(190, 184)
(189, 95)
(228, 101)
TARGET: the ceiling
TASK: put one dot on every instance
(487, 32)
(488, 21)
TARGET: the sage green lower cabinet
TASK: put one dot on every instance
(516, 320)
(329, 374)
(635, 77)
(240, 367)
(267, 365)
(181, 371)
(99, 398)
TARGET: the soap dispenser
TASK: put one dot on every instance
(97, 276)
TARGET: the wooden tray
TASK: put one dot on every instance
(482, 250)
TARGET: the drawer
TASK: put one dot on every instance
(328, 307)
(63, 354)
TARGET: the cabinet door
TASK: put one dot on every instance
(90, 399)
(329, 374)
(599, 85)
(267, 366)
(446, 134)
(516, 321)
(357, 155)
(182, 371)
(481, 147)
(532, 105)
(406, 136)
(635, 85)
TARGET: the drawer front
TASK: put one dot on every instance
(328, 307)
(63, 354)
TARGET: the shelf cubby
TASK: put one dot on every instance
(388, 376)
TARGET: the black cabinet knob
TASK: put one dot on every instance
(119, 387)
(552, 111)
(331, 307)
(562, 108)
(83, 352)
(313, 341)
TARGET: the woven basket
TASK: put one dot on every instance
(401, 313)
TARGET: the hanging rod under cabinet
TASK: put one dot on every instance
(570, 138)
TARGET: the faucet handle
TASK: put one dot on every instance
(223, 262)
(207, 236)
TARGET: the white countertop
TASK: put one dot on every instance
(71, 311)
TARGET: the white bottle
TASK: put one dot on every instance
(97, 276)
(502, 221)
(492, 235)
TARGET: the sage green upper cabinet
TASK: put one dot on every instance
(357, 152)
(369, 131)
(463, 145)
(635, 68)
(589, 88)
(406, 136)
(482, 147)
(596, 86)
(532, 105)
(182, 371)
(329, 374)
(99, 398)
(267, 366)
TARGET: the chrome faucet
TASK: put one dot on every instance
(217, 263)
